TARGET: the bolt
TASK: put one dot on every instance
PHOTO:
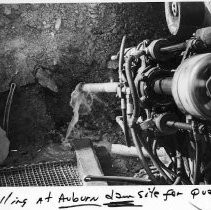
(174, 8)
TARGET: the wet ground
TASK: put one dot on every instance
(54, 149)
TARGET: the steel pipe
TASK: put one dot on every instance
(132, 180)
(123, 150)
(163, 86)
(179, 125)
(110, 87)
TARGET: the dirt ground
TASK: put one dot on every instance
(99, 125)
(72, 43)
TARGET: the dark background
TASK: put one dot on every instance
(72, 43)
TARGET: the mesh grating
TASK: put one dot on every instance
(42, 174)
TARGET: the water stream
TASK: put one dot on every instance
(81, 102)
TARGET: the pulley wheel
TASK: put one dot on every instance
(183, 18)
(191, 86)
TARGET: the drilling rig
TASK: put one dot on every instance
(165, 91)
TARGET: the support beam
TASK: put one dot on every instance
(87, 161)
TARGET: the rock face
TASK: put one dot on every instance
(62, 35)
(4, 146)
(29, 118)
(73, 43)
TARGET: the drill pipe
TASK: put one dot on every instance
(110, 87)
(161, 86)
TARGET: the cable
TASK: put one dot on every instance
(135, 115)
(123, 102)
(179, 168)
(121, 57)
(136, 109)
(7, 108)
(179, 163)
(153, 159)
(134, 131)
(197, 158)
(178, 178)
(154, 147)
(141, 155)
(124, 117)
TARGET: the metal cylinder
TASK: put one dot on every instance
(110, 87)
(191, 86)
(161, 123)
(174, 48)
(163, 86)
(154, 49)
(179, 125)
(133, 180)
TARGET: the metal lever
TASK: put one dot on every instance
(132, 180)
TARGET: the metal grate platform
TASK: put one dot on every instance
(42, 174)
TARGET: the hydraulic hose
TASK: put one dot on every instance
(179, 163)
(197, 158)
(179, 168)
(121, 57)
(125, 125)
(134, 131)
(136, 108)
(154, 161)
(196, 168)
(178, 178)
(135, 115)
(141, 155)
(123, 101)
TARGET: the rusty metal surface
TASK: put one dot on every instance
(43, 174)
